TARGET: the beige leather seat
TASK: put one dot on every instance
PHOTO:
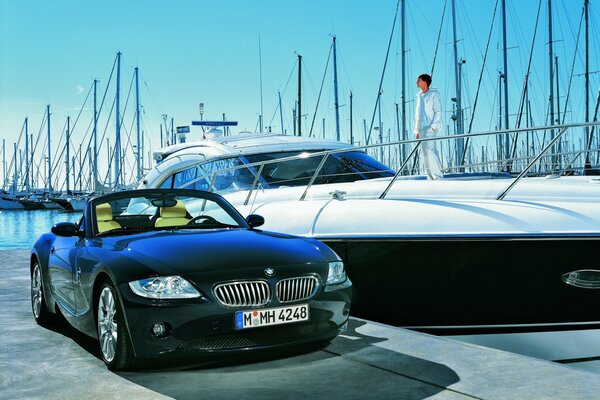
(104, 217)
(173, 216)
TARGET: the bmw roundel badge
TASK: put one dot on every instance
(269, 271)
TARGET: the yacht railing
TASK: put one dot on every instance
(257, 168)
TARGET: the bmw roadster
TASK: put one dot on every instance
(158, 273)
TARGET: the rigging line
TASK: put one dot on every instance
(513, 20)
(121, 122)
(274, 114)
(289, 77)
(570, 24)
(99, 111)
(87, 153)
(14, 160)
(564, 57)
(154, 100)
(383, 72)
(112, 71)
(320, 91)
(487, 46)
(437, 43)
(525, 86)
(109, 160)
(39, 135)
(58, 158)
(72, 128)
(287, 83)
(79, 114)
(411, 21)
(572, 68)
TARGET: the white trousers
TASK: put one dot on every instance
(430, 157)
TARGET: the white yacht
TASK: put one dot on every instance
(484, 251)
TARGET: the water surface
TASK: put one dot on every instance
(20, 229)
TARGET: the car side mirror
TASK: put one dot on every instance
(255, 220)
(66, 229)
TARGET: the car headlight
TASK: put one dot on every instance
(164, 287)
(336, 273)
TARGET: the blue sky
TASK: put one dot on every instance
(205, 51)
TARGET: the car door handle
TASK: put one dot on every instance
(52, 250)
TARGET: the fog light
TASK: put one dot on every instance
(159, 329)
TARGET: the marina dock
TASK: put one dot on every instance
(369, 360)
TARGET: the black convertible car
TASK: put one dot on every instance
(155, 273)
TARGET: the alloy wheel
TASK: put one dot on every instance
(107, 324)
(36, 291)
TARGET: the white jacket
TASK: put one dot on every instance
(431, 120)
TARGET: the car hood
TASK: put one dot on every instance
(188, 251)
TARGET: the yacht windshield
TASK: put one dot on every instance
(348, 166)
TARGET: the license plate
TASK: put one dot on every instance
(271, 316)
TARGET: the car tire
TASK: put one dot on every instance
(39, 308)
(113, 336)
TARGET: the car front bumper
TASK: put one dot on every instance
(203, 327)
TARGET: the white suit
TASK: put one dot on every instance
(428, 123)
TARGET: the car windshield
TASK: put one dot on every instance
(148, 210)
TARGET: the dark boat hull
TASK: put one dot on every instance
(30, 205)
(472, 282)
(64, 204)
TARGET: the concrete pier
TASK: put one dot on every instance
(370, 361)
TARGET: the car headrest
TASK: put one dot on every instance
(177, 211)
(104, 212)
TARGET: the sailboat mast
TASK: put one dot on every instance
(299, 113)
(557, 106)
(3, 163)
(137, 124)
(67, 151)
(49, 184)
(335, 92)
(15, 169)
(459, 119)
(118, 124)
(505, 78)
(380, 130)
(587, 85)
(351, 124)
(95, 162)
(551, 76)
(26, 155)
(403, 77)
(260, 118)
(280, 113)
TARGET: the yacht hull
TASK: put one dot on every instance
(499, 283)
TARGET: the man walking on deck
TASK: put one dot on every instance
(428, 123)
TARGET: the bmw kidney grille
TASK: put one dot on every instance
(243, 294)
(296, 289)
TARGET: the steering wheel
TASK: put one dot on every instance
(208, 220)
